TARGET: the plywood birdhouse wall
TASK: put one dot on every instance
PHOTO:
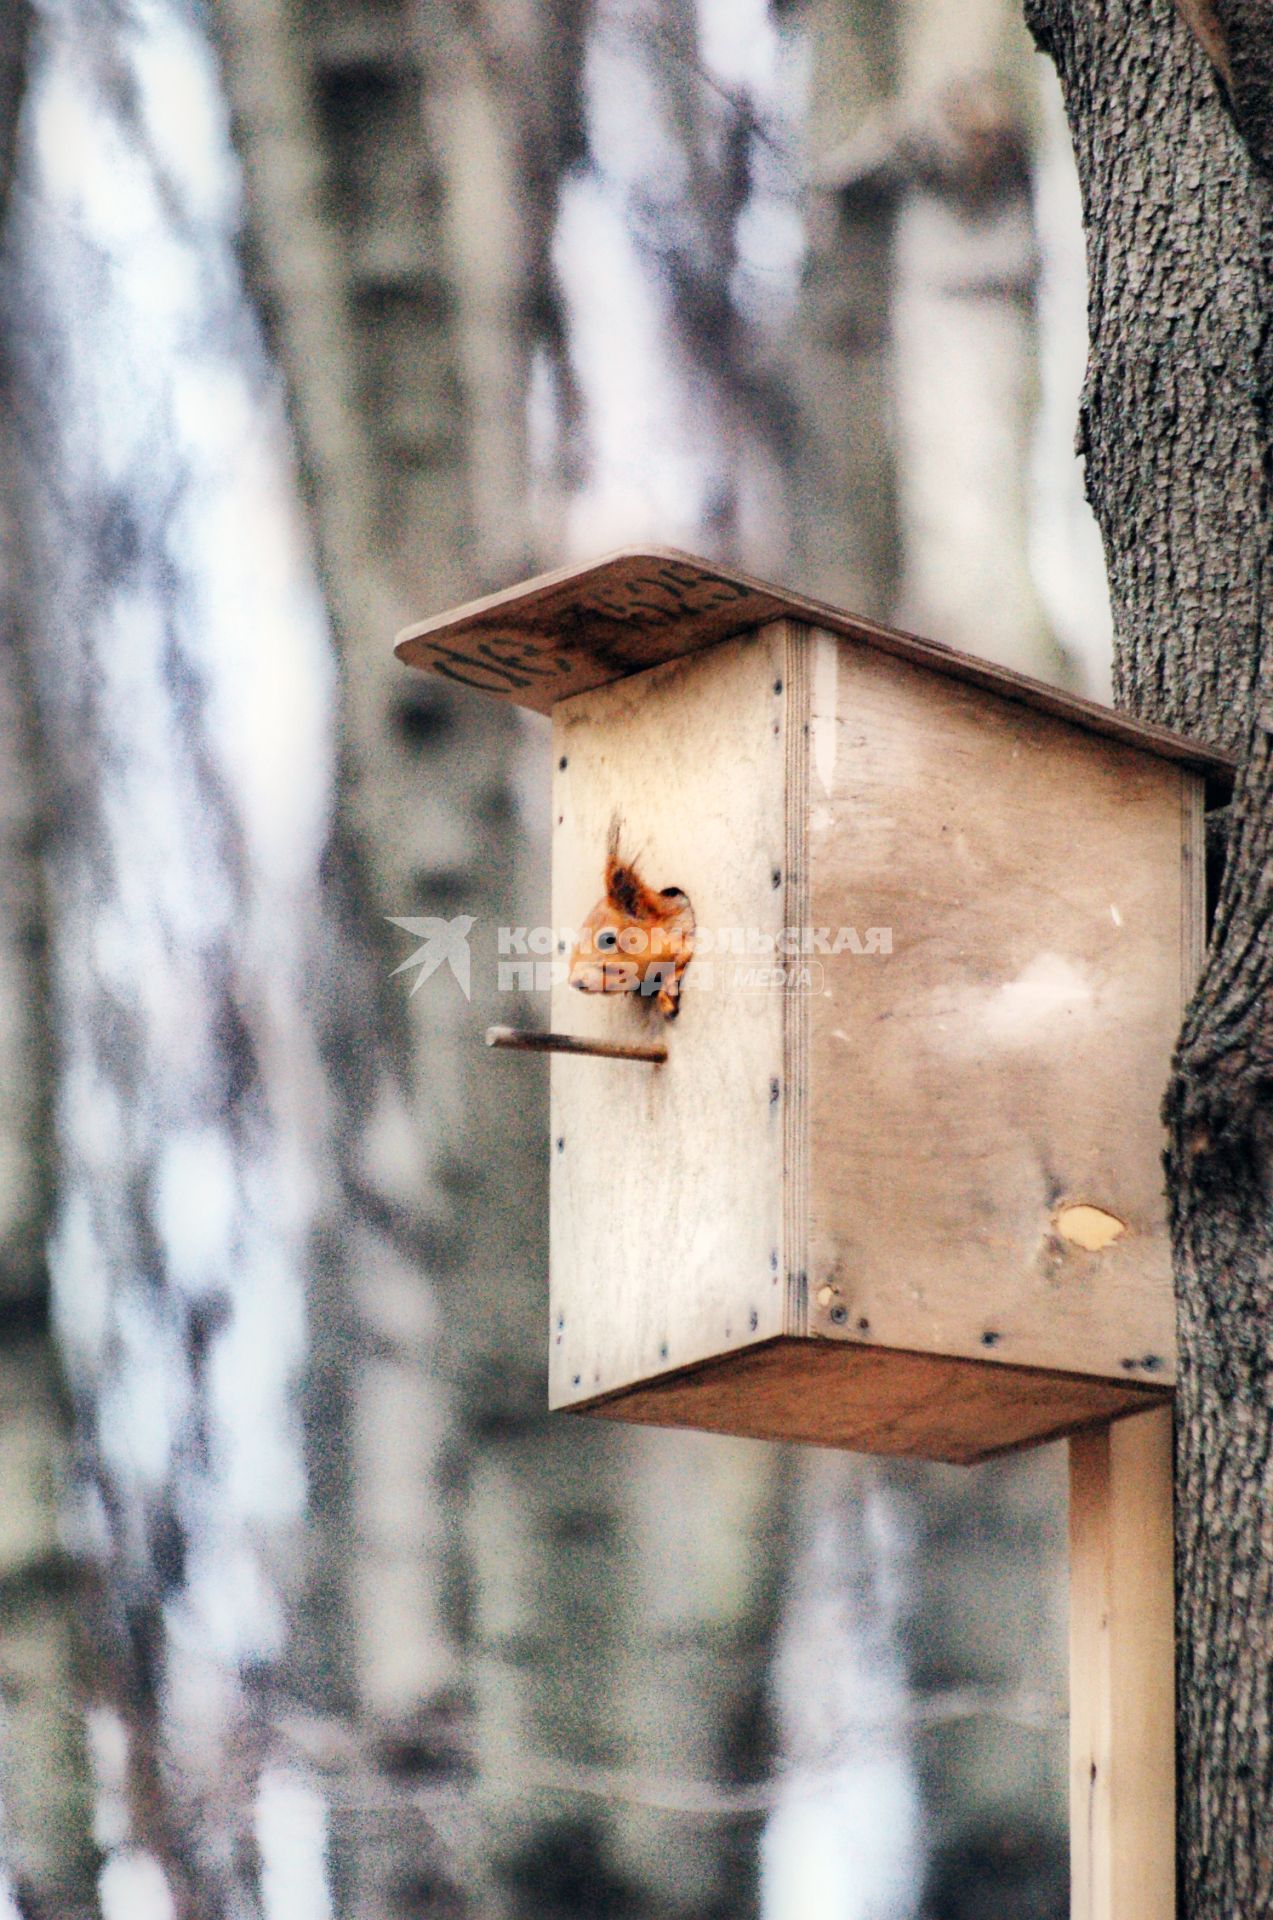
(897, 1184)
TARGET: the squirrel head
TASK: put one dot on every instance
(635, 940)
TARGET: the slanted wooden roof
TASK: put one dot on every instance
(578, 628)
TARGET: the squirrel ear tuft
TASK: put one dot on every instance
(625, 889)
(623, 886)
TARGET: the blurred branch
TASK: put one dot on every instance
(653, 33)
(333, 1748)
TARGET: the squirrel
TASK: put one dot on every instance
(635, 940)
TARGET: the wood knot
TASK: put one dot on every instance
(1091, 1228)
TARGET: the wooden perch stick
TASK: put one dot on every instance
(521, 1042)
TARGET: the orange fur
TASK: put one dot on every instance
(635, 940)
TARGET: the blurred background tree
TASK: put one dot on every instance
(318, 317)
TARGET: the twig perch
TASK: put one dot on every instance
(655, 1054)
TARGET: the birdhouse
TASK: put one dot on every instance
(862, 1147)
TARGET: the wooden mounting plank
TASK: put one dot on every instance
(1122, 1673)
(583, 626)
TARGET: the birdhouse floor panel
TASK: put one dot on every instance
(870, 1399)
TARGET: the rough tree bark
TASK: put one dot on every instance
(1175, 157)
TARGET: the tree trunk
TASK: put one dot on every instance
(183, 681)
(846, 1838)
(45, 1798)
(1175, 427)
(965, 332)
(44, 1776)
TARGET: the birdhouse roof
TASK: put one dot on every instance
(581, 627)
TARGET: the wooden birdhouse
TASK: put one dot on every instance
(882, 1167)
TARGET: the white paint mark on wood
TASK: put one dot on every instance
(1045, 990)
(1021, 1012)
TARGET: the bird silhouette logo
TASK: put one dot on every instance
(444, 940)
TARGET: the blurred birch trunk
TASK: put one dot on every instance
(46, 1848)
(45, 1812)
(965, 340)
(849, 534)
(229, 1115)
(185, 1160)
